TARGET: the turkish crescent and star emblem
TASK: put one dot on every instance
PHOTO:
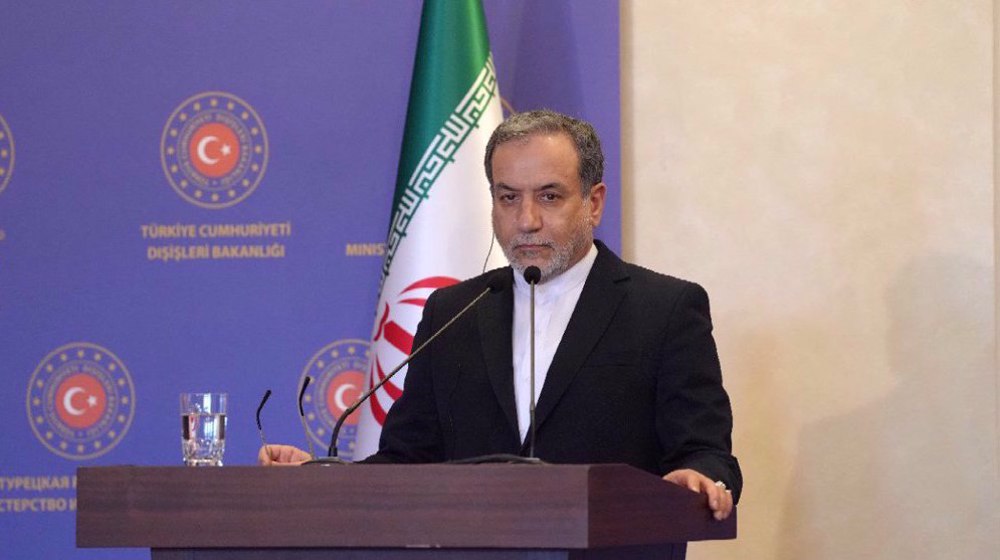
(81, 400)
(214, 150)
(393, 339)
(343, 391)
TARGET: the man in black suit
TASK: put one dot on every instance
(629, 370)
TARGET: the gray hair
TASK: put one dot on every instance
(522, 125)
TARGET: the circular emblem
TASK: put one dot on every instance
(338, 380)
(393, 340)
(80, 400)
(6, 154)
(214, 150)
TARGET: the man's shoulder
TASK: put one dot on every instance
(651, 278)
(644, 278)
(654, 294)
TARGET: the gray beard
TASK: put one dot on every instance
(558, 264)
(562, 255)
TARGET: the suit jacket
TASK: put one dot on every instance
(635, 379)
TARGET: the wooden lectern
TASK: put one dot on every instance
(392, 512)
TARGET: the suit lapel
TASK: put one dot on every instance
(602, 293)
(495, 316)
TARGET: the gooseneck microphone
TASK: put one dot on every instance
(494, 284)
(532, 275)
(260, 427)
(302, 415)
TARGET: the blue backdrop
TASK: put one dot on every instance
(124, 281)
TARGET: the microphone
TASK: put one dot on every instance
(260, 427)
(532, 275)
(494, 284)
(302, 415)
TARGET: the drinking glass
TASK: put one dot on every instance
(203, 428)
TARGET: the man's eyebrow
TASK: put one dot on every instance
(545, 187)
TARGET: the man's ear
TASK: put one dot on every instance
(596, 198)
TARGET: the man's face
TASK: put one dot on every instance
(540, 215)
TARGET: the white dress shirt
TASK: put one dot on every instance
(555, 301)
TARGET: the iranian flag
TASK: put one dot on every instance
(440, 231)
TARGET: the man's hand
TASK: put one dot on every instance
(281, 456)
(720, 500)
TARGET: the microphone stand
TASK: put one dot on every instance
(532, 280)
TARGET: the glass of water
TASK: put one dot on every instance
(203, 428)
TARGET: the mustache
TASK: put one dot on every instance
(529, 240)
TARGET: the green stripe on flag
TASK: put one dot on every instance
(453, 78)
(451, 51)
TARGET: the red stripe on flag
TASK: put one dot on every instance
(398, 337)
(381, 322)
(377, 411)
(393, 390)
(431, 282)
